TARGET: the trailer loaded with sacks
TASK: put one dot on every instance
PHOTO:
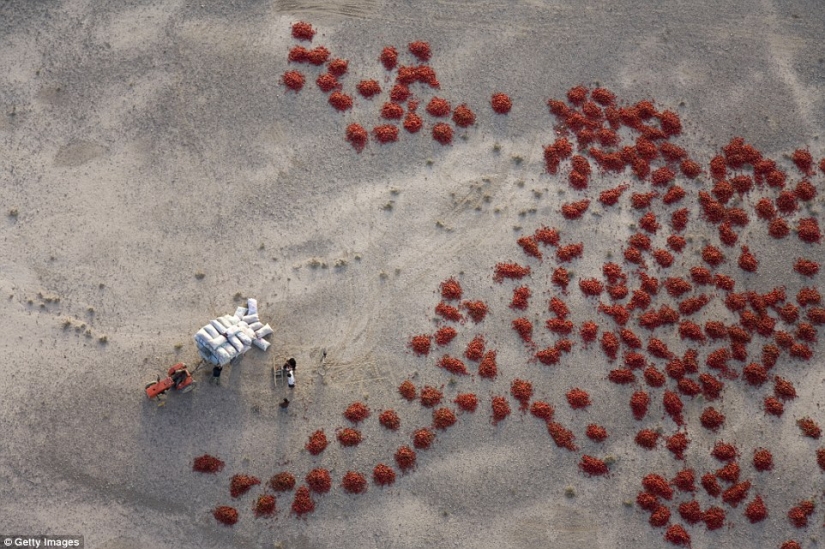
(230, 336)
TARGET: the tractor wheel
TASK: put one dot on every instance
(188, 387)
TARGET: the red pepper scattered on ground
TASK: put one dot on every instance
(501, 409)
(443, 418)
(282, 482)
(383, 475)
(349, 437)
(476, 310)
(354, 483)
(390, 420)
(501, 103)
(562, 436)
(592, 466)
(368, 88)
(578, 398)
(421, 344)
(430, 396)
(809, 427)
(522, 391)
(293, 80)
(319, 481)
(444, 335)
(207, 464)
(241, 484)
(423, 438)
(226, 515)
(405, 458)
(302, 503)
(357, 137)
(357, 412)
(453, 365)
(265, 506)
(467, 402)
(302, 31)
(389, 57)
(407, 390)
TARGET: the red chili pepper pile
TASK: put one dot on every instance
(390, 420)
(488, 369)
(476, 310)
(405, 458)
(302, 503)
(349, 437)
(385, 133)
(453, 365)
(357, 412)
(421, 344)
(383, 475)
(293, 80)
(592, 466)
(524, 328)
(522, 391)
(475, 349)
(501, 409)
(241, 484)
(354, 483)
(562, 436)
(317, 442)
(319, 481)
(445, 335)
(647, 438)
(578, 399)
(430, 396)
(207, 464)
(798, 515)
(282, 482)
(226, 515)
(596, 433)
(423, 438)
(443, 418)
(357, 136)
(407, 390)
(467, 402)
(501, 103)
(443, 133)
(302, 31)
(809, 427)
(265, 506)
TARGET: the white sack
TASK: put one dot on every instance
(216, 342)
(245, 339)
(252, 304)
(261, 344)
(218, 326)
(236, 343)
(202, 337)
(263, 332)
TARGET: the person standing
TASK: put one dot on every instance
(289, 371)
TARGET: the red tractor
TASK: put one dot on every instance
(178, 378)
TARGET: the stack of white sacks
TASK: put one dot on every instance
(231, 336)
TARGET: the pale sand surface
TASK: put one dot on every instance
(142, 143)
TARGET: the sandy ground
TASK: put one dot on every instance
(144, 144)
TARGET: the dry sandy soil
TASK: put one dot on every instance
(155, 171)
